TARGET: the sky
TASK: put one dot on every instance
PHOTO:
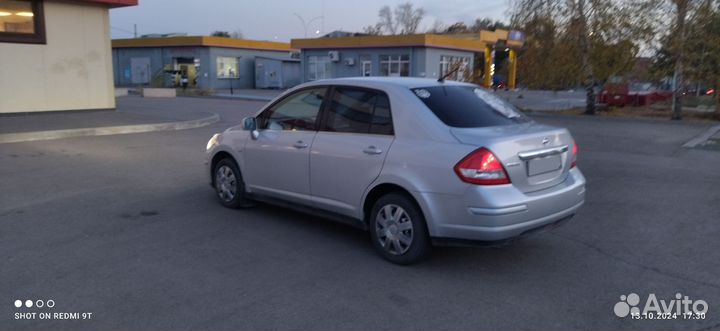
(278, 19)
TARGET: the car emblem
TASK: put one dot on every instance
(545, 141)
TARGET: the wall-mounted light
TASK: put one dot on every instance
(4, 13)
(25, 14)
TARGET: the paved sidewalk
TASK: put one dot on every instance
(153, 115)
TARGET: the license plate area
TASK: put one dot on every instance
(542, 165)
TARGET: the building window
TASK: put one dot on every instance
(22, 21)
(448, 63)
(395, 65)
(318, 67)
(227, 67)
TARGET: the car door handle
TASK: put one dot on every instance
(372, 150)
(300, 144)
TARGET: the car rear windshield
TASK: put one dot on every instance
(468, 106)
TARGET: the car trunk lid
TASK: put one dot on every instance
(535, 156)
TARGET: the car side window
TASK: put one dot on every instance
(382, 121)
(296, 112)
(358, 111)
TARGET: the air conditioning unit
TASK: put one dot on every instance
(334, 56)
(350, 61)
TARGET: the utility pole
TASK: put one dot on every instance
(135, 30)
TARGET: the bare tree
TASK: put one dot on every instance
(456, 28)
(237, 34)
(404, 19)
(408, 18)
(437, 27)
(488, 24)
(387, 21)
(373, 30)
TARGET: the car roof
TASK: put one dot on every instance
(407, 82)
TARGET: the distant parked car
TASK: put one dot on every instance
(634, 94)
(414, 161)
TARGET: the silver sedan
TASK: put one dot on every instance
(416, 162)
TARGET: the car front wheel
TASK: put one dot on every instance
(229, 185)
(398, 230)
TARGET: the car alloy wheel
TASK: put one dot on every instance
(394, 229)
(226, 183)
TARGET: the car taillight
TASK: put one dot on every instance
(574, 155)
(483, 168)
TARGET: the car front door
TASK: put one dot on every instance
(350, 148)
(277, 162)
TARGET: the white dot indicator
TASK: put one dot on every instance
(18, 303)
(28, 303)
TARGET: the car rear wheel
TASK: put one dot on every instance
(229, 185)
(398, 230)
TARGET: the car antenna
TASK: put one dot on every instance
(454, 70)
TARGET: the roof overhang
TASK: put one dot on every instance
(201, 41)
(112, 3)
(414, 40)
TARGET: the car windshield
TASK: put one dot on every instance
(468, 106)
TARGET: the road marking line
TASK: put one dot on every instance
(703, 137)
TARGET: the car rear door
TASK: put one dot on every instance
(349, 149)
(277, 162)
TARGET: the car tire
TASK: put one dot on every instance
(229, 185)
(398, 230)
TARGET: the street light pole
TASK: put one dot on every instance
(304, 24)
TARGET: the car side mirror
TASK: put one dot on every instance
(250, 124)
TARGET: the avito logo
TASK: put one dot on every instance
(680, 305)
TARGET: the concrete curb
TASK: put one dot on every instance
(242, 97)
(106, 130)
(702, 137)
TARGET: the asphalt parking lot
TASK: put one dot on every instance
(127, 228)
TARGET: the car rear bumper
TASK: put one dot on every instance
(496, 213)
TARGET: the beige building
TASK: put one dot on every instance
(56, 55)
